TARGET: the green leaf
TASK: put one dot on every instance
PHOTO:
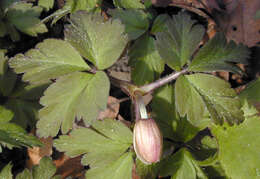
(181, 165)
(218, 55)
(7, 77)
(136, 21)
(6, 172)
(80, 95)
(25, 112)
(129, 4)
(196, 93)
(46, 4)
(92, 37)
(88, 5)
(147, 171)
(159, 23)
(3, 29)
(106, 144)
(145, 61)
(171, 125)
(50, 59)
(177, 45)
(45, 170)
(25, 174)
(239, 148)
(24, 16)
(252, 91)
(14, 135)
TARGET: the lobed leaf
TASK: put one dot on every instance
(105, 146)
(181, 165)
(136, 21)
(218, 55)
(159, 23)
(12, 134)
(25, 17)
(44, 170)
(170, 123)
(100, 42)
(239, 147)
(198, 92)
(145, 61)
(79, 94)
(50, 59)
(87, 5)
(177, 45)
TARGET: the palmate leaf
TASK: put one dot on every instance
(179, 42)
(181, 165)
(45, 170)
(12, 134)
(100, 42)
(136, 21)
(218, 55)
(170, 123)
(145, 60)
(239, 146)
(25, 17)
(79, 94)
(105, 146)
(196, 93)
(50, 59)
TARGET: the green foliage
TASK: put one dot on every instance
(105, 146)
(159, 23)
(46, 4)
(136, 21)
(12, 134)
(198, 92)
(79, 94)
(217, 55)
(257, 15)
(92, 37)
(145, 61)
(239, 146)
(252, 91)
(177, 45)
(129, 4)
(182, 165)
(7, 77)
(170, 123)
(47, 61)
(6, 172)
(88, 5)
(45, 170)
(24, 17)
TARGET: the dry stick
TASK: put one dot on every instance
(152, 86)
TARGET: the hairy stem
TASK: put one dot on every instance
(152, 86)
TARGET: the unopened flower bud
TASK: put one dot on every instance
(147, 141)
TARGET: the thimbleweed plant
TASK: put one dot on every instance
(195, 124)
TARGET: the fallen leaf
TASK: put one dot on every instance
(112, 109)
(239, 23)
(37, 153)
(67, 166)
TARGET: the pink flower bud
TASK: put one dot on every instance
(147, 141)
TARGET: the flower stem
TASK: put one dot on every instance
(152, 86)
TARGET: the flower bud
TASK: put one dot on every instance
(147, 141)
